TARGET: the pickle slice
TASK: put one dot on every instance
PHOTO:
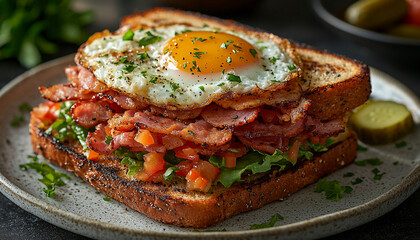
(381, 122)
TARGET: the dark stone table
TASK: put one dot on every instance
(291, 19)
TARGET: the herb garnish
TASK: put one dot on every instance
(220, 84)
(198, 39)
(236, 117)
(153, 80)
(174, 86)
(122, 60)
(273, 59)
(108, 139)
(273, 221)
(107, 199)
(170, 173)
(149, 39)
(144, 73)
(18, 119)
(166, 51)
(229, 60)
(202, 88)
(233, 78)
(356, 181)
(50, 178)
(133, 160)
(333, 190)
(253, 52)
(128, 36)
(320, 147)
(226, 44)
(370, 161)
(377, 175)
(349, 174)
(129, 68)
(142, 56)
(291, 67)
(198, 54)
(360, 148)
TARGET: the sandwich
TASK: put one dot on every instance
(190, 119)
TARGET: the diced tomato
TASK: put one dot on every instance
(187, 153)
(93, 155)
(158, 176)
(183, 168)
(47, 110)
(142, 176)
(230, 159)
(293, 152)
(170, 142)
(207, 170)
(144, 137)
(197, 182)
(413, 13)
(153, 162)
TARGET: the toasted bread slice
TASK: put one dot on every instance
(171, 203)
(335, 84)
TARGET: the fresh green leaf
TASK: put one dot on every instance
(171, 158)
(217, 162)
(128, 36)
(378, 175)
(273, 221)
(356, 181)
(170, 173)
(291, 67)
(108, 139)
(142, 56)
(360, 148)
(202, 88)
(226, 44)
(253, 52)
(149, 39)
(233, 78)
(320, 147)
(333, 190)
(370, 161)
(107, 199)
(273, 59)
(174, 86)
(129, 68)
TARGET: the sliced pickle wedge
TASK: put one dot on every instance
(381, 122)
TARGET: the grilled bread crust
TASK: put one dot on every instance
(170, 203)
(335, 84)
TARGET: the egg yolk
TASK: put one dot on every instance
(208, 52)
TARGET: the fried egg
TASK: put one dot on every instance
(185, 66)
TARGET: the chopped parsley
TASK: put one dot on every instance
(166, 51)
(273, 59)
(104, 55)
(185, 31)
(134, 161)
(149, 39)
(202, 88)
(153, 80)
(356, 181)
(239, 47)
(229, 60)
(370, 161)
(349, 174)
(273, 221)
(401, 144)
(276, 81)
(291, 67)
(144, 73)
(253, 52)
(198, 54)
(18, 119)
(226, 44)
(333, 190)
(50, 178)
(170, 173)
(360, 148)
(122, 60)
(174, 86)
(107, 199)
(128, 36)
(129, 68)
(262, 48)
(25, 107)
(198, 39)
(185, 65)
(142, 56)
(377, 175)
(233, 78)
(223, 71)
(220, 84)
(191, 132)
(108, 139)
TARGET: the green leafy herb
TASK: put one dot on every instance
(254, 161)
(30, 28)
(166, 51)
(262, 48)
(128, 36)
(144, 73)
(320, 147)
(107, 199)
(65, 127)
(275, 81)
(226, 44)
(217, 162)
(236, 117)
(129, 68)
(291, 67)
(191, 132)
(25, 107)
(108, 139)
(104, 55)
(273, 221)
(370, 161)
(221, 84)
(360, 148)
(253, 52)
(229, 60)
(171, 158)
(395, 163)
(134, 161)
(198, 39)
(185, 65)
(202, 88)
(149, 39)
(121, 60)
(273, 59)
(223, 71)
(185, 31)
(174, 86)
(349, 174)
(401, 144)
(50, 178)
(233, 78)
(153, 80)
(333, 190)
(198, 54)
(356, 181)
(142, 56)
(170, 173)
(17, 120)
(258, 42)
(377, 175)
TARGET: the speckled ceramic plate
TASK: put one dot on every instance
(78, 208)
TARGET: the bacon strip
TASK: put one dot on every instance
(176, 114)
(327, 129)
(283, 115)
(60, 92)
(89, 114)
(122, 100)
(84, 80)
(266, 144)
(96, 140)
(227, 117)
(258, 129)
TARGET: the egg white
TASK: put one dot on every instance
(152, 79)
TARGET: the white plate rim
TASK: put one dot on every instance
(20, 197)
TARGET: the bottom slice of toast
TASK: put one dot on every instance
(170, 203)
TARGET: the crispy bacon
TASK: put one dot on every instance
(90, 113)
(84, 80)
(283, 115)
(96, 140)
(122, 100)
(266, 144)
(258, 129)
(62, 92)
(176, 114)
(228, 117)
(327, 128)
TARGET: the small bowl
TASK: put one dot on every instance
(332, 12)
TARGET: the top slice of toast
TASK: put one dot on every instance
(333, 83)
